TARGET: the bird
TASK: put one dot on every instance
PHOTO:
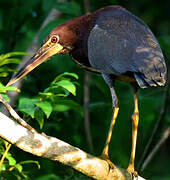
(114, 43)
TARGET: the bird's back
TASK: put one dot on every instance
(120, 42)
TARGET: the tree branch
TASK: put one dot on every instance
(57, 150)
(161, 141)
(15, 115)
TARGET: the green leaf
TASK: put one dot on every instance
(10, 61)
(3, 74)
(6, 69)
(65, 105)
(11, 160)
(65, 74)
(30, 161)
(3, 167)
(6, 97)
(45, 106)
(39, 116)
(19, 167)
(67, 85)
(61, 107)
(4, 89)
(5, 143)
(10, 54)
(27, 106)
(71, 74)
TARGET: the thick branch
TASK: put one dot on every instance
(57, 150)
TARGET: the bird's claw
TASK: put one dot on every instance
(106, 158)
(132, 171)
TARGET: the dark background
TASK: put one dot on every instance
(19, 22)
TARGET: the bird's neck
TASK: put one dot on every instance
(81, 27)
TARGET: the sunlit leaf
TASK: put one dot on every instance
(3, 167)
(67, 85)
(4, 89)
(5, 96)
(45, 106)
(10, 61)
(10, 54)
(11, 160)
(66, 74)
(19, 167)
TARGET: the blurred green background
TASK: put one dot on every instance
(19, 23)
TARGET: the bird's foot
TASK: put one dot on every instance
(106, 158)
(132, 171)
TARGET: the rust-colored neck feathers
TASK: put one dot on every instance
(74, 30)
(78, 29)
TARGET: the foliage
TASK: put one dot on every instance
(51, 100)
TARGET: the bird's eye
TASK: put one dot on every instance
(54, 39)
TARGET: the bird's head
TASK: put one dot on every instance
(61, 40)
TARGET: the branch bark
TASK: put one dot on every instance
(57, 150)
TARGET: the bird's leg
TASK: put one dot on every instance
(135, 119)
(105, 153)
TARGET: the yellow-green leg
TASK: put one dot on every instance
(105, 153)
(115, 104)
(135, 120)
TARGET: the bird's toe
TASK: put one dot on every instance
(132, 171)
(106, 158)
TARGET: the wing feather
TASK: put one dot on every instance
(120, 42)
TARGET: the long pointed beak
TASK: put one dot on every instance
(39, 57)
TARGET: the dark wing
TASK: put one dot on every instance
(120, 42)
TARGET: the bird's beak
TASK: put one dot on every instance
(45, 52)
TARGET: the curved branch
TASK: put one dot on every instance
(57, 150)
